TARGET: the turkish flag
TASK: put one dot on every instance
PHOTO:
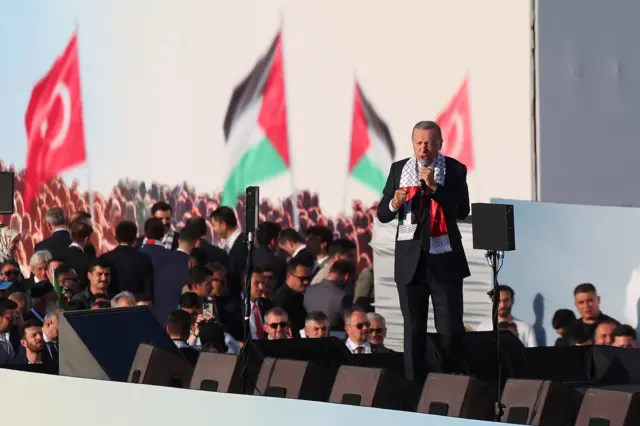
(455, 122)
(55, 130)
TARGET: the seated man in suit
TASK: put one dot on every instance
(377, 333)
(316, 326)
(357, 327)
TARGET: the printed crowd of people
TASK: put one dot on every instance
(301, 286)
(132, 201)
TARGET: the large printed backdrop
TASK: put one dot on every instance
(157, 78)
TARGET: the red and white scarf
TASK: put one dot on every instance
(408, 223)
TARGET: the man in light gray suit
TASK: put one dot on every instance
(330, 295)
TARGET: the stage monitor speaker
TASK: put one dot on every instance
(493, 227)
(478, 356)
(329, 352)
(6, 193)
(285, 378)
(457, 396)
(540, 403)
(153, 366)
(102, 344)
(372, 387)
(252, 208)
(560, 363)
(222, 373)
(609, 408)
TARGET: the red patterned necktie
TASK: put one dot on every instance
(256, 314)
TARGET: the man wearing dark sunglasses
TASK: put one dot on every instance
(276, 324)
(10, 272)
(357, 327)
(290, 296)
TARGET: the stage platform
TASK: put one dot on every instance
(105, 403)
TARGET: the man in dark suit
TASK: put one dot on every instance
(329, 295)
(75, 255)
(428, 193)
(291, 243)
(132, 270)
(173, 275)
(60, 238)
(214, 254)
(264, 254)
(225, 225)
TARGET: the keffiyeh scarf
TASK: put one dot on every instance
(408, 223)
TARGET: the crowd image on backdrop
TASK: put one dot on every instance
(184, 256)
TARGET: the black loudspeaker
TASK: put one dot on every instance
(540, 403)
(252, 210)
(153, 366)
(609, 408)
(493, 227)
(6, 193)
(285, 378)
(222, 373)
(329, 352)
(371, 387)
(457, 396)
(102, 344)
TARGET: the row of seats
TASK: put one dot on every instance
(530, 402)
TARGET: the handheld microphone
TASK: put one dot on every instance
(423, 184)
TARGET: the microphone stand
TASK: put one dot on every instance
(492, 257)
(247, 310)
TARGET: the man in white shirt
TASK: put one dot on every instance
(357, 327)
(525, 332)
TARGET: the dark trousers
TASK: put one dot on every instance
(448, 308)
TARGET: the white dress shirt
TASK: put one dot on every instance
(525, 332)
(353, 346)
(232, 239)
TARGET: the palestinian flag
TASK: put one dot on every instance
(255, 127)
(372, 149)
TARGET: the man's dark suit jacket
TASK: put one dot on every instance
(293, 304)
(306, 257)
(132, 271)
(453, 196)
(237, 264)
(214, 253)
(79, 260)
(330, 298)
(170, 274)
(57, 244)
(262, 257)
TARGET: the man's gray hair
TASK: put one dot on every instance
(122, 295)
(55, 217)
(427, 125)
(349, 313)
(372, 316)
(50, 315)
(41, 256)
(275, 311)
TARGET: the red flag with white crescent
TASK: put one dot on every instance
(455, 122)
(55, 129)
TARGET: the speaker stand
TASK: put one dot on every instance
(493, 257)
(247, 311)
